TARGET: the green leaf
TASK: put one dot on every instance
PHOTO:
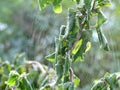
(76, 1)
(102, 3)
(102, 40)
(101, 37)
(84, 47)
(13, 79)
(71, 19)
(57, 48)
(56, 4)
(24, 83)
(20, 59)
(70, 22)
(98, 85)
(51, 57)
(44, 3)
(58, 8)
(77, 47)
(66, 86)
(71, 87)
(101, 19)
(59, 87)
(59, 70)
(62, 29)
(46, 87)
(76, 81)
(66, 66)
(111, 80)
(44, 82)
(87, 4)
(7, 67)
(107, 74)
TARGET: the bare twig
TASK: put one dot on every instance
(38, 65)
(71, 74)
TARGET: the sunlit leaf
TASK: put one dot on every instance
(102, 3)
(51, 57)
(44, 3)
(58, 8)
(107, 74)
(13, 79)
(76, 81)
(56, 3)
(82, 50)
(88, 46)
(77, 47)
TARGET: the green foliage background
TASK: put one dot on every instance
(28, 34)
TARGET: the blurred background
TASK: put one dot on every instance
(25, 29)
